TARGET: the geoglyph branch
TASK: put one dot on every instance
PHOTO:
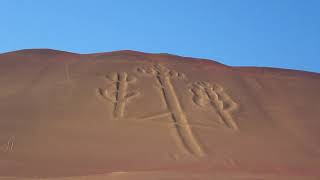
(118, 94)
(8, 147)
(182, 127)
(206, 94)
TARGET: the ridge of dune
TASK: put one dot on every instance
(254, 69)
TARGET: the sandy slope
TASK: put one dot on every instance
(130, 115)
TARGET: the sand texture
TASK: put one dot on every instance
(128, 115)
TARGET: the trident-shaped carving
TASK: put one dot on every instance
(118, 94)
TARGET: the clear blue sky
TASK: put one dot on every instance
(274, 33)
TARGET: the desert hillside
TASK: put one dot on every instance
(131, 115)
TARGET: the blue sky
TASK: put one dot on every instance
(273, 33)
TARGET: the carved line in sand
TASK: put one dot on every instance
(119, 94)
(8, 147)
(155, 117)
(206, 94)
(181, 125)
(167, 114)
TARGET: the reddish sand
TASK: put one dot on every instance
(130, 115)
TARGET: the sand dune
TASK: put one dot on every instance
(130, 115)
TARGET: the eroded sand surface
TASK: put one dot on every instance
(129, 115)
